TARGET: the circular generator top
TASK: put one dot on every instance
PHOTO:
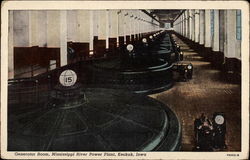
(108, 120)
(144, 64)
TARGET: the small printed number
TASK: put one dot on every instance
(68, 79)
(233, 155)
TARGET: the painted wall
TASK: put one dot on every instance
(223, 38)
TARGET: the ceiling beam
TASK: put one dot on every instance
(151, 15)
(179, 14)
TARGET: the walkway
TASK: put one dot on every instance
(205, 93)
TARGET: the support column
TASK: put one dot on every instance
(113, 24)
(181, 24)
(72, 34)
(121, 32)
(21, 28)
(10, 47)
(238, 33)
(53, 29)
(126, 26)
(184, 24)
(231, 34)
(202, 28)
(187, 24)
(38, 28)
(232, 48)
(91, 32)
(221, 30)
(117, 26)
(134, 24)
(32, 28)
(83, 26)
(197, 25)
(215, 44)
(190, 19)
(207, 28)
(138, 25)
(42, 29)
(95, 23)
(82, 31)
(63, 38)
(107, 28)
(103, 26)
(193, 25)
(113, 36)
(130, 17)
(143, 24)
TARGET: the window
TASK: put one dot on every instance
(212, 23)
(238, 24)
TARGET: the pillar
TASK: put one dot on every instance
(181, 24)
(103, 26)
(32, 28)
(221, 30)
(121, 32)
(107, 28)
(83, 26)
(10, 48)
(72, 26)
(184, 24)
(138, 24)
(21, 29)
(207, 28)
(238, 33)
(216, 44)
(38, 28)
(126, 25)
(190, 19)
(197, 25)
(53, 29)
(193, 25)
(202, 27)
(187, 24)
(230, 50)
(114, 25)
(91, 32)
(63, 38)
(95, 23)
(42, 28)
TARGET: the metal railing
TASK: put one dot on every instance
(32, 70)
(29, 90)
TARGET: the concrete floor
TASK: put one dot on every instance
(206, 93)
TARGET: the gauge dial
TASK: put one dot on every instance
(219, 119)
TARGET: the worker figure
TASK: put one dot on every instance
(203, 133)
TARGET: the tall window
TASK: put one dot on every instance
(212, 22)
(238, 24)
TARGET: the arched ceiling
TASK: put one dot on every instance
(166, 16)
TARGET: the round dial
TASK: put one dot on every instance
(68, 78)
(130, 47)
(219, 119)
(144, 40)
(189, 67)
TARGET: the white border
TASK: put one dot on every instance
(63, 5)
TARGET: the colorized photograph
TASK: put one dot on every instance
(124, 80)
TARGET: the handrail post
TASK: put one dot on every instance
(37, 92)
(32, 74)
